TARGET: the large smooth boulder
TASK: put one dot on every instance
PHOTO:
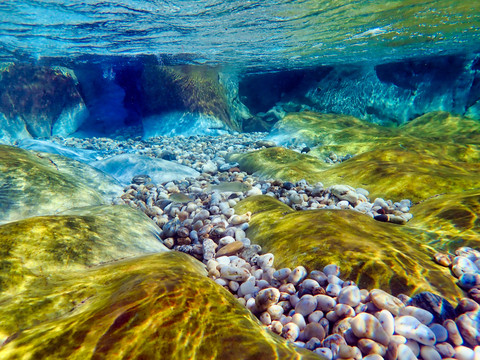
(37, 183)
(39, 101)
(125, 166)
(185, 100)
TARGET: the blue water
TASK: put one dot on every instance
(257, 35)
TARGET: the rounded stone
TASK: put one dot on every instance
(297, 275)
(325, 303)
(385, 301)
(306, 305)
(429, 353)
(386, 320)
(365, 325)
(314, 330)
(333, 290)
(368, 346)
(230, 249)
(405, 353)
(440, 332)
(331, 269)
(265, 298)
(464, 353)
(291, 331)
(422, 315)
(349, 295)
(468, 325)
(411, 328)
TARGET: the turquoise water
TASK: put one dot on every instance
(259, 35)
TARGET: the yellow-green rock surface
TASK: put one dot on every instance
(36, 183)
(189, 88)
(372, 253)
(64, 296)
(450, 221)
(434, 154)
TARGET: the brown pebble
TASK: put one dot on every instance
(475, 294)
(234, 169)
(466, 305)
(184, 241)
(443, 259)
(230, 249)
(453, 333)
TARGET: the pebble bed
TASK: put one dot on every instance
(207, 154)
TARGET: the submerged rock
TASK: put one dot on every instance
(371, 253)
(124, 167)
(39, 102)
(36, 183)
(154, 307)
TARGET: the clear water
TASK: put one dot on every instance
(258, 35)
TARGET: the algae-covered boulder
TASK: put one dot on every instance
(373, 254)
(184, 100)
(450, 220)
(36, 183)
(34, 248)
(39, 101)
(159, 306)
(280, 163)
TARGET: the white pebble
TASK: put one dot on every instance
(424, 316)
(265, 260)
(464, 353)
(297, 275)
(282, 274)
(365, 325)
(429, 353)
(387, 321)
(325, 352)
(325, 303)
(306, 305)
(299, 320)
(315, 316)
(291, 331)
(411, 328)
(333, 289)
(405, 353)
(331, 269)
(349, 295)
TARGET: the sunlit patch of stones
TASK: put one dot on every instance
(317, 310)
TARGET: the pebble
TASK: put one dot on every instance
(421, 315)
(266, 297)
(297, 275)
(464, 353)
(386, 320)
(385, 301)
(349, 295)
(365, 325)
(405, 353)
(306, 305)
(429, 353)
(234, 273)
(230, 249)
(411, 328)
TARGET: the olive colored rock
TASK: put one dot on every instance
(160, 306)
(37, 183)
(449, 221)
(33, 248)
(88, 285)
(372, 253)
(281, 163)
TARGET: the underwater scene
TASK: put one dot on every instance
(289, 179)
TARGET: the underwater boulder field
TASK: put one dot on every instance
(240, 180)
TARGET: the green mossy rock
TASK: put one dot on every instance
(281, 163)
(191, 88)
(33, 248)
(37, 183)
(159, 306)
(450, 221)
(400, 174)
(372, 253)
(85, 285)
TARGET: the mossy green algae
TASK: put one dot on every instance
(372, 253)
(450, 220)
(160, 306)
(37, 183)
